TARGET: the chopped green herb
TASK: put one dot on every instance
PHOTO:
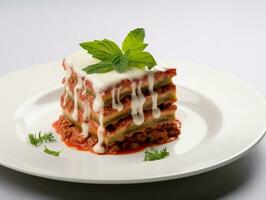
(113, 58)
(37, 139)
(51, 152)
(154, 154)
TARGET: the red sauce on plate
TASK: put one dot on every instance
(141, 147)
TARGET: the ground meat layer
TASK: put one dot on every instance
(162, 133)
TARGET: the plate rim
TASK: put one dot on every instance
(216, 165)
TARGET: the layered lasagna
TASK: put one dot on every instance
(110, 113)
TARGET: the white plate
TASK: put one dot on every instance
(222, 119)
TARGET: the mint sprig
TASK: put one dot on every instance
(113, 58)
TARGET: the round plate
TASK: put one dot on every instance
(222, 119)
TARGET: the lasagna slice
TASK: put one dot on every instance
(115, 112)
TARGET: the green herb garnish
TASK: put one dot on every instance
(113, 58)
(154, 154)
(51, 152)
(37, 139)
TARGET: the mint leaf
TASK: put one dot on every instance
(101, 67)
(134, 39)
(141, 59)
(120, 63)
(137, 48)
(101, 49)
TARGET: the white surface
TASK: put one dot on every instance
(228, 35)
(211, 120)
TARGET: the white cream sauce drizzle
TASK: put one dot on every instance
(98, 102)
(154, 96)
(85, 129)
(98, 147)
(84, 86)
(77, 87)
(67, 76)
(116, 103)
(86, 114)
(97, 106)
(137, 101)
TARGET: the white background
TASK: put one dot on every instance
(228, 35)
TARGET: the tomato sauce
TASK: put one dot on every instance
(86, 147)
